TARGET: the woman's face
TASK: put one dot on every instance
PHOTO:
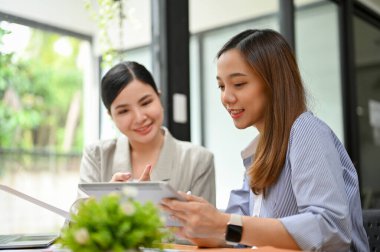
(242, 91)
(137, 112)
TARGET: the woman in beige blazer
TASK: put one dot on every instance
(145, 150)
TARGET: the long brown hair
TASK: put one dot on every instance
(272, 59)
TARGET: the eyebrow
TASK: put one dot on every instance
(140, 100)
(144, 97)
(232, 75)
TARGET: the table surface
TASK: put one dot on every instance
(195, 248)
(177, 247)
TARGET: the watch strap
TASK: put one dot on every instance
(234, 229)
(235, 219)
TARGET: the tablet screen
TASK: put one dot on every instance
(153, 191)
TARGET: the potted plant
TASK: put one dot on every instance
(116, 222)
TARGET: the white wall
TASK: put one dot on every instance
(215, 13)
(68, 14)
(72, 15)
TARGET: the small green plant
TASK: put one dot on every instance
(116, 222)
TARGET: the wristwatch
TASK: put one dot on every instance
(234, 229)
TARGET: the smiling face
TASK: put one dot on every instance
(242, 91)
(137, 112)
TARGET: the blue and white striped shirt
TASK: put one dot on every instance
(316, 196)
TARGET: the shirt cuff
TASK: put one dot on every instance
(304, 229)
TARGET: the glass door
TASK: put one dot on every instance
(367, 66)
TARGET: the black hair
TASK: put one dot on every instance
(119, 76)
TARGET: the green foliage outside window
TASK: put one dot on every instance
(36, 90)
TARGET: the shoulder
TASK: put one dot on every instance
(308, 125)
(187, 148)
(101, 146)
(194, 149)
(309, 135)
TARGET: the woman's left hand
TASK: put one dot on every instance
(200, 219)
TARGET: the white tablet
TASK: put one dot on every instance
(153, 191)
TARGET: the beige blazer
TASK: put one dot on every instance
(186, 167)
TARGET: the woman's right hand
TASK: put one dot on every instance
(202, 223)
(125, 176)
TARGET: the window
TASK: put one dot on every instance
(319, 61)
(42, 75)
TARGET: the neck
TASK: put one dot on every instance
(150, 147)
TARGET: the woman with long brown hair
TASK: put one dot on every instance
(301, 189)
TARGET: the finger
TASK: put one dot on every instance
(190, 197)
(146, 173)
(184, 206)
(168, 203)
(182, 217)
(121, 177)
(181, 233)
(181, 214)
(167, 207)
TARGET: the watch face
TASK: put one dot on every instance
(233, 233)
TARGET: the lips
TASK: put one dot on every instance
(236, 113)
(144, 130)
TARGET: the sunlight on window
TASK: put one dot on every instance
(63, 47)
(17, 40)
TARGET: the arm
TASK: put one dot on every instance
(90, 165)
(205, 226)
(323, 221)
(204, 183)
(239, 200)
(266, 231)
(89, 168)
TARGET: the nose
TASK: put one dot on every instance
(228, 96)
(140, 116)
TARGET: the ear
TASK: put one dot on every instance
(159, 93)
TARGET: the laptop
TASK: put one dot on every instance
(24, 241)
(18, 241)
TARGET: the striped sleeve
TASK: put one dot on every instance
(323, 222)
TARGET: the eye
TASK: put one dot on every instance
(145, 103)
(221, 87)
(122, 111)
(239, 85)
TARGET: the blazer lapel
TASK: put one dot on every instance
(164, 166)
(121, 161)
